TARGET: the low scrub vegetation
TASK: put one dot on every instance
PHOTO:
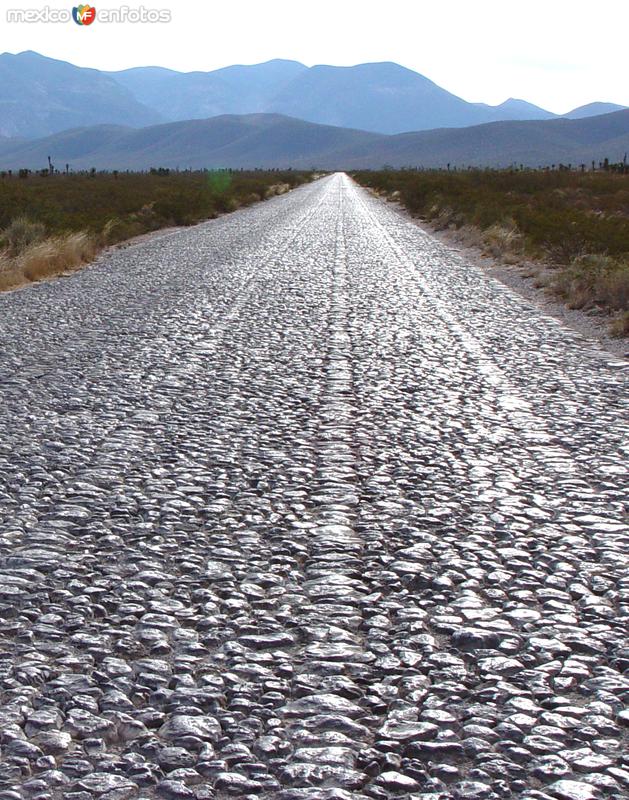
(50, 224)
(574, 223)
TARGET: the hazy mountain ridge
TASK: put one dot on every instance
(273, 140)
(40, 96)
(199, 95)
(514, 109)
(593, 110)
(532, 143)
(381, 97)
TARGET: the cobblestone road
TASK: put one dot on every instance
(296, 504)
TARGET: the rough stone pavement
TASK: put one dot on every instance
(296, 504)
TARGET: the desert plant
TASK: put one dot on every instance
(56, 254)
(277, 188)
(577, 221)
(20, 234)
(594, 280)
(54, 223)
(443, 218)
(503, 239)
(10, 275)
(620, 326)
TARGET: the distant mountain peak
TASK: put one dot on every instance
(280, 61)
(517, 101)
(593, 110)
(33, 55)
(40, 95)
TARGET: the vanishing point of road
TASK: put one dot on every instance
(296, 503)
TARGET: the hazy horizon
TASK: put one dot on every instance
(483, 54)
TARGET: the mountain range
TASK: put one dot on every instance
(274, 140)
(41, 96)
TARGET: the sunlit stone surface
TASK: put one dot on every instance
(296, 504)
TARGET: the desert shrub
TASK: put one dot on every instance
(576, 221)
(594, 280)
(620, 325)
(542, 204)
(57, 254)
(52, 224)
(20, 233)
(75, 202)
(503, 239)
(10, 275)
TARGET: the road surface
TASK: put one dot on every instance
(298, 504)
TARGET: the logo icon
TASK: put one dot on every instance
(84, 15)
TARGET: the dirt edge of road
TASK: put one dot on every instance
(519, 278)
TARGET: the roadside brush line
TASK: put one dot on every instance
(43, 259)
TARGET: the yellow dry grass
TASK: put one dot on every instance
(277, 188)
(46, 258)
(10, 275)
(502, 241)
(595, 280)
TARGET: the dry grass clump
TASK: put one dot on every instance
(503, 241)
(277, 188)
(56, 255)
(594, 280)
(442, 218)
(20, 233)
(468, 236)
(620, 326)
(28, 256)
(250, 199)
(10, 275)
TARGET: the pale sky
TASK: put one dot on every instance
(558, 54)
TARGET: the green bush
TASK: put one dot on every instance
(56, 222)
(138, 201)
(579, 212)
